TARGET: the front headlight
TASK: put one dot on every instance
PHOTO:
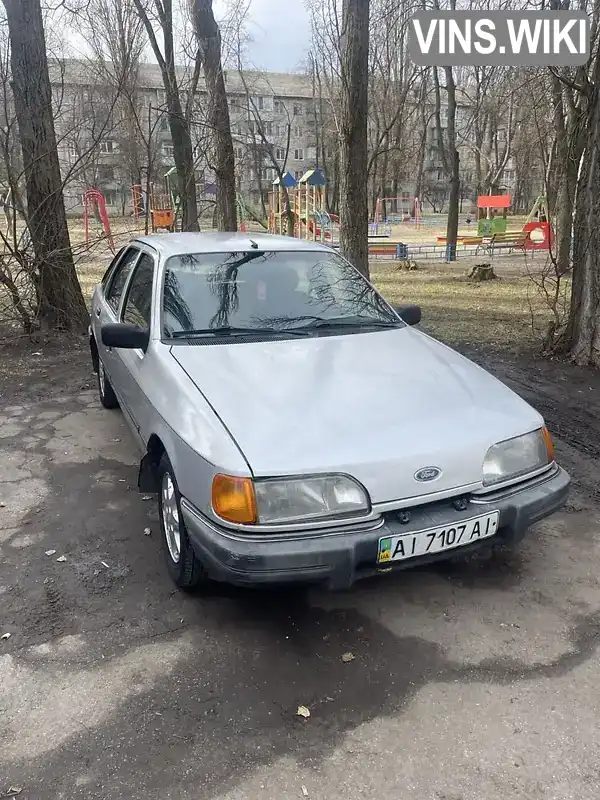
(516, 457)
(311, 498)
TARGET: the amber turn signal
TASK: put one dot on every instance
(549, 444)
(233, 499)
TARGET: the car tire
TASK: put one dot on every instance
(108, 398)
(182, 562)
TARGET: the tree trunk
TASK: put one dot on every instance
(454, 163)
(354, 69)
(183, 156)
(583, 333)
(61, 303)
(179, 125)
(209, 41)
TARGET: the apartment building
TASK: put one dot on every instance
(108, 144)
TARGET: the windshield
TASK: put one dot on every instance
(268, 291)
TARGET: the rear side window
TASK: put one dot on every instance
(139, 295)
(119, 278)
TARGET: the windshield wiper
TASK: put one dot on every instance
(233, 330)
(348, 322)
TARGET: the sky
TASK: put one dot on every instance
(280, 32)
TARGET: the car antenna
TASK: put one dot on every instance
(253, 244)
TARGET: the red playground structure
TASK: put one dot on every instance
(92, 200)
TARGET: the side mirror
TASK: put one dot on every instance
(125, 335)
(409, 314)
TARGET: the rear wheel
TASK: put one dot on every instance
(182, 562)
(107, 396)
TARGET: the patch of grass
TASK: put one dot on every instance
(506, 314)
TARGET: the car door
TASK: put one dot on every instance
(134, 367)
(106, 306)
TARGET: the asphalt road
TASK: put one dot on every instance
(475, 682)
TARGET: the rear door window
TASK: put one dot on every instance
(138, 303)
(119, 278)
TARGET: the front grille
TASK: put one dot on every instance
(458, 504)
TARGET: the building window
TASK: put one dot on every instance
(267, 174)
(299, 154)
(297, 110)
(239, 153)
(297, 131)
(110, 198)
(106, 174)
(251, 126)
(278, 106)
(107, 146)
(268, 128)
(280, 154)
(405, 195)
(168, 150)
(164, 124)
(260, 103)
(508, 176)
(297, 175)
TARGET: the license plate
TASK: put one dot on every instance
(435, 540)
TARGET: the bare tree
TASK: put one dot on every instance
(209, 44)
(354, 69)
(448, 151)
(161, 12)
(60, 301)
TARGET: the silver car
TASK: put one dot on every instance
(295, 426)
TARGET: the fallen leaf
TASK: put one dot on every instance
(147, 497)
(115, 440)
(303, 712)
(348, 657)
(6, 636)
(104, 564)
(61, 558)
(12, 791)
(50, 552)
(147, 531)
(304, 791)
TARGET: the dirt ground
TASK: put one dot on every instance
(471, 682)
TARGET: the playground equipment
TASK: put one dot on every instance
(93, 200)
(489, 222)
(539, 234)
(310, 204)
(306, 198)
(278, 217)
(138, 201)
(403, 209)
(165, 206)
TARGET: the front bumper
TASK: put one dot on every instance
(341, 557)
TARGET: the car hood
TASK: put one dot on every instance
(379, 406)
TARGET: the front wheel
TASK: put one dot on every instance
(182, 562)
(108, 398)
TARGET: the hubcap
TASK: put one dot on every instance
(170, 516)
(101, 377)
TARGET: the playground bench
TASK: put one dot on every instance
(510, 240)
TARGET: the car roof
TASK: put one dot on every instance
(172, 244)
